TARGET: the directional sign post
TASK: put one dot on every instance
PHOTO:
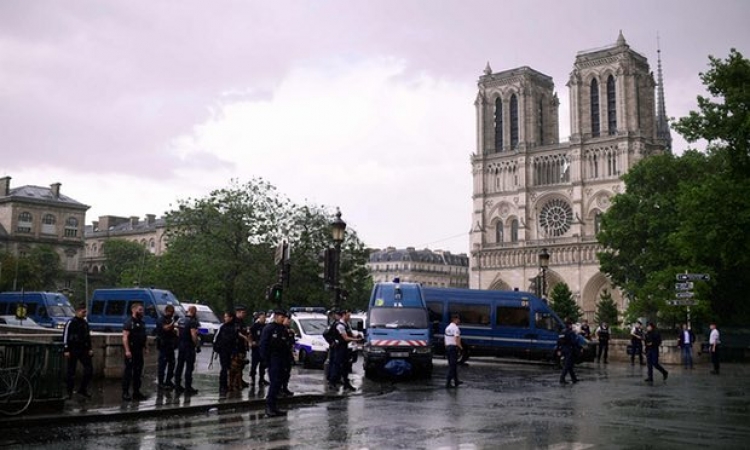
(693, 277)
(684, 286)
(687, 303)
(686, 294)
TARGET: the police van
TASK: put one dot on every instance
(109, 308)
(497, 323)
(398, 331)
(308, 324)
(48, 309)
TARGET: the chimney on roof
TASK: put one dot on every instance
(4, 186)
(133, 221)
(55, 187)
(95, 225)
(150, 219)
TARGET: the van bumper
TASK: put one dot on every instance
(419, 357)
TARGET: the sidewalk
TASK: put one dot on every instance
(106, 402)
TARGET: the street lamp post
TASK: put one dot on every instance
(338, 232)
(543, 266)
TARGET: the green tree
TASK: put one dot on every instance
(563, 304)
(128, 264)
(39, 270)
(606, 310)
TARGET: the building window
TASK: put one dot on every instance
(594, 108)
(48, 224)
(597, 223)
(556, 217)
(498, 125)
(611, 106)
(513, 121)
(71, 227)
(514, 230)
(25, 221)
(499, 233)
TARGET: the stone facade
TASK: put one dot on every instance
(35, 215)
(429, 267)
(151, 233)
(531, 191)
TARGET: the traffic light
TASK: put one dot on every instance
(275, 294)
(286, 270)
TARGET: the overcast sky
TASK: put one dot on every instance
(365, 105)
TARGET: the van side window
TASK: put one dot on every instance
(512, 316)
(544, 322)
(3, 309)
(435, 310)
(471, 315)
(115, 308)
(30, 309)
(97, 307)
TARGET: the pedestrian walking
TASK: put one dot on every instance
(714, 342)
(166, 343)
(452, 340)
(257, 366)
(685, 342)
(603, 334)
(274, 349)
(77, 348)
(187, 347)
(134, 343)
(225, 346)
(568, 349)
(653, 342)
(636, 343)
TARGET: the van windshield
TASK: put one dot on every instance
(398, 318)
(60, 311)
(313, 326)
(208, 317)
(390, 295)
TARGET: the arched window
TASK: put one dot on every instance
(594, 108)
(71, 227)
(514, 230)
(498, 125)
(499, 232)
(48, 224)
(513, 121)
(611, 106)
(25, 221)
(597, 223)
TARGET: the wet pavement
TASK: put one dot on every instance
(501, 405)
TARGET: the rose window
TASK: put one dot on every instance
(556, 217)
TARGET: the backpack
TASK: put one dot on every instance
(331, 334)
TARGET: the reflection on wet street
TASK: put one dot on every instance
(501, 405)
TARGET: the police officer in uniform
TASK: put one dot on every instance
(569, 348)
(187, 328)
(290, 361)
(603, 334)
(134, 343)
(166, 343)
(239, 359)
(636, 343)
(274, 349)
(225, 345)
(77, 341)
(257, 367)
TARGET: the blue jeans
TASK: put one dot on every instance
(687, 355)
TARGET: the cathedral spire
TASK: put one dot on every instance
(662, 124)
(621, 40)
(488, 69)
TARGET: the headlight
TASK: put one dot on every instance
(60, 326)
(374, 349)
(423, 350)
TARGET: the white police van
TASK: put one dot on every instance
(308, 324)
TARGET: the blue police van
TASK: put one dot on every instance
(398, 331)
(48, 309)
(497, 323)
(109, 308)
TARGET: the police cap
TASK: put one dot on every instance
(280, 312)
(240, 308)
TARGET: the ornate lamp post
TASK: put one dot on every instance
(543, 266)
(338, 232)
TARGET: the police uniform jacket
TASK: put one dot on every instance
(185, 325)
(76, 336)
(137, 336)
(274, 342)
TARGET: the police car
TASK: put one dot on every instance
(308, 324)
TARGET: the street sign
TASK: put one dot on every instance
(693, 277)
(686, 294)
(681, 302)
(683, 286)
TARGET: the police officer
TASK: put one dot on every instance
(339, 350)
(585, 329)
(653, 342)
(166, 343)
(290, 361)
(602, 333)
(225, 345)
(187, 329)
(569, 348)
(77, 341)
(636, 343)
(274, 349)
(134, 343)
(257, 367)
(239, 359)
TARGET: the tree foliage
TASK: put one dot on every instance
(606, 310)
(563, 303)
(689, 213)
(129, 264)
(38, 270)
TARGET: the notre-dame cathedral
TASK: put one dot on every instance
(533, 192)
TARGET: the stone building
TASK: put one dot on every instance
(430, 267)
(150, 233)
(35, 215)
(532, 191)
